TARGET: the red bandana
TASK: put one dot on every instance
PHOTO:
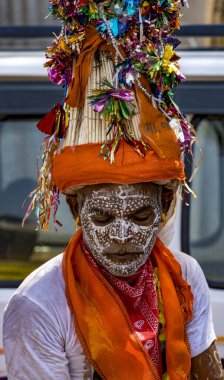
(139, 296)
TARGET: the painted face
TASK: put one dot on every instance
(120, 224)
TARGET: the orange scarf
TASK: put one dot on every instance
(104, 329)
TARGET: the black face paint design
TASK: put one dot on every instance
(120, 224)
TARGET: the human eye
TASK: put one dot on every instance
(144, 216)
(102, 218)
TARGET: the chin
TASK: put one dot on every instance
(124, 270)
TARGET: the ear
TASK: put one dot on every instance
(167, 197)
(73, 204)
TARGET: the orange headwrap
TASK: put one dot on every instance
(82, 165)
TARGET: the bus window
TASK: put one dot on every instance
(206, 224)
(24, 249)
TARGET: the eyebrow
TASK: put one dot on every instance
(137, 211)
(100, 210)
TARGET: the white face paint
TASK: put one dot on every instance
(120, 224)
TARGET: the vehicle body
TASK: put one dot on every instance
(27, 95)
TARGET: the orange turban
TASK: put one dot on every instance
(82, 165)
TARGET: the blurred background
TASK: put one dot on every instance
(35, 12)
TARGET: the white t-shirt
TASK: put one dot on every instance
(39, 336)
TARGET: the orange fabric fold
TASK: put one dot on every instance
(103, 326)
(82, 165)
(83, 67)
(178, 305)
(154, 128)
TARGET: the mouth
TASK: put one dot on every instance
(125, 255)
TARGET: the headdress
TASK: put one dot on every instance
(119, 123)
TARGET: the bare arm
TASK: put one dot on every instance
(207, 365)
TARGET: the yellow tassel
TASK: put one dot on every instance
(164, 218)
(77, 223)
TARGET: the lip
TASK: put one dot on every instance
(125, 256)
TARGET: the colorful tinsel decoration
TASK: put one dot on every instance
(46, 196)
(54, 122)
(115, 106)
(62, 53)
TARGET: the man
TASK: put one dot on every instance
(120, 224)
(117, 305)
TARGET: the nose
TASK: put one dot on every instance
(120, 231)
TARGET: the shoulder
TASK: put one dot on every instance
(38, 328)
(43, 289)
(193, 274)
(190, 267)
(200, 329)
(39, 307)
(47, 274)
